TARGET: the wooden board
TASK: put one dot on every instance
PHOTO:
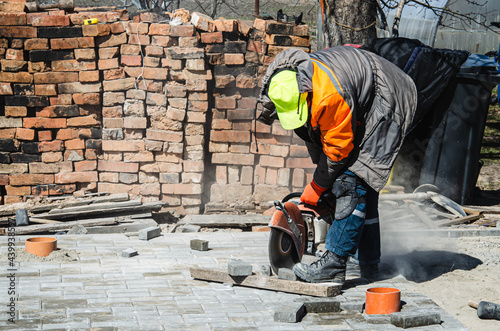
(459, 220)
(268, 282)
(54, 227)
(241, 221)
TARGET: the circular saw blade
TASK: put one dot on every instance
(282, 251)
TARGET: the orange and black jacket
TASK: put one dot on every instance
(360, 108)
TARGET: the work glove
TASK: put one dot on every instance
(311, 193)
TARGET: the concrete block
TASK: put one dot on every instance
(149, 233)
(265, 270)
(239, 268)
(291, 313)
(22, 217)
(415, 317)
(352, 306)
(199, 245)
(320, 305)
(288, 274)
(129, 252)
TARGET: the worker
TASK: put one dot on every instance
(353, 109)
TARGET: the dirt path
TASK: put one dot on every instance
(451, 272)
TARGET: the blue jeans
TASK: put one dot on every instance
(358, 235)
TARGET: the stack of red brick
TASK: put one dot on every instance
(140, 107)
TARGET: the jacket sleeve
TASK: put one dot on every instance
(337, 125)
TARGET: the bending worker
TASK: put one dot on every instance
(353, 109)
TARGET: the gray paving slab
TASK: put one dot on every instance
(154, 290)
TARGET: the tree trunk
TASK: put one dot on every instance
(346, 22)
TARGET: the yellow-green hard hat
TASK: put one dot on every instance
(291, 105)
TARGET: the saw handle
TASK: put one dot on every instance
(473, 304)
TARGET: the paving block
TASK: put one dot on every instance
(239, 268)
(22, 217)
(199, 245)
(320, 305)
(285, 273)
(291, 313)
(265, 270)
(149, 233)
(415, 317)
(129, 252)
(352, 306)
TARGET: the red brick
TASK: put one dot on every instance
(257, 46)
(89, 76)
(134, 28)
(74, 144)
(245, 81)
(55, 77)
(119, 84)
(135, 122)
(226, 25)
(182, 189)
(143, 39)
(86, 166)
(118, 27)
(72, 43)
(160, 29)
(234, 159)
(67, 134)
(118, 166)
(76, 177)
(51, 157)
(44, 123)
(16, 111)
(94, 30)
(12, 18)
(61, 99)
(73, 65)
(58, 111)
(247, 103)
(13, 65)
(225, 102)
(162, 135)
(114, 74)
(155, 51)
(14, 54)
(50, 146)
(50, 20)
(4, 179)
(212, 37)
(17, 32)
(71, 155)
(104, 64)
(131, 60)
(19, 190)
(5, 89)
(182, 30)
(230, 136)
(30, 179)
(304, 163)
(87, 98)
(16, 77)
(44, 136)
(301, 30)
(199, 106)
(123, 146)
(36, 44)
(234, 59)
(271, 161)
(164, 41)
(90, 120)
(77, 87)
(25, 134)
(12, 6)
(82, 54)
(7, 133)
(48, 89)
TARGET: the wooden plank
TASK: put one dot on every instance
(115, 209)
(422, 216)
(268, 282)
(63, 226)
(486, 209)
(459, 220)
(241, 221)
(42, 221)
(92, 207)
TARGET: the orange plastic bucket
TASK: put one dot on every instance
(382, 300)
(41, 246)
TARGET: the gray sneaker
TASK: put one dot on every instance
(329, 268)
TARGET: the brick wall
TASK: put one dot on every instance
(165, 112)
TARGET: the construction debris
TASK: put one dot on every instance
(48, 214)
